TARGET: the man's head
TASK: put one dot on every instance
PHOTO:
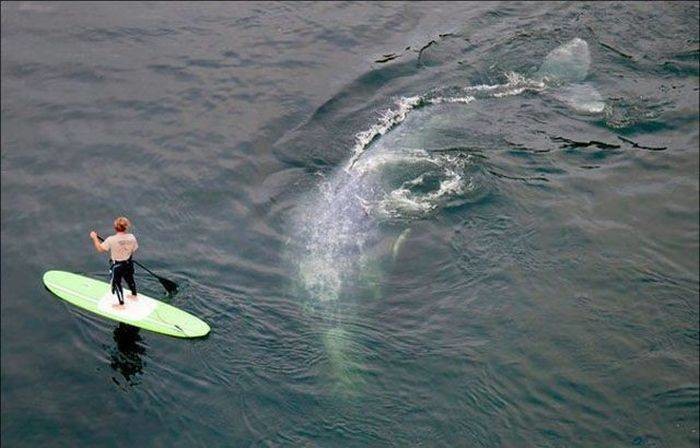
(121, 224)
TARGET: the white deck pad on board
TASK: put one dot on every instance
(133, 309)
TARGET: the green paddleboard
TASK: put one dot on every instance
(144, 312)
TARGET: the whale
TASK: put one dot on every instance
(392, 178)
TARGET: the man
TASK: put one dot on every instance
(121, 246)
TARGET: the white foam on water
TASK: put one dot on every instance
(517, 85)
(455, 100)
(409, 199)
(379, 161)
(388, 120)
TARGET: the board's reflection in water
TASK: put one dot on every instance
(125, 358)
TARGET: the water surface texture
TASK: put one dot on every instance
(408, 224)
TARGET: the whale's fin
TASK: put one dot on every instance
(567, 63)
(566, 67)
(581, 98)
(399, 242)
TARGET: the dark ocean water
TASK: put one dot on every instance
(408, 224)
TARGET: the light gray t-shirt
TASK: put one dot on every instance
(120, 245)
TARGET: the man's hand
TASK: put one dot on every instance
(96, 242)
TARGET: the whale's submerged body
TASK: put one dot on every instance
(395, 175)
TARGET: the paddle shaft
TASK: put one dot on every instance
(169, 285)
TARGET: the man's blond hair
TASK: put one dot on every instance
(121, 224)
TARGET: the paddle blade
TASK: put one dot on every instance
(169, 285)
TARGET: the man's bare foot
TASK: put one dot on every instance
(135, 298)
(118, 306)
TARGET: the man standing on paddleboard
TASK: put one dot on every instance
(122, 246)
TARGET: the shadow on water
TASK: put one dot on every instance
(126, 356)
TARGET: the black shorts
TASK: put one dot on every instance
(122, 270)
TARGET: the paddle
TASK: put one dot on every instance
(169, 285)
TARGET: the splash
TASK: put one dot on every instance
(426, 181)
(386, 122)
